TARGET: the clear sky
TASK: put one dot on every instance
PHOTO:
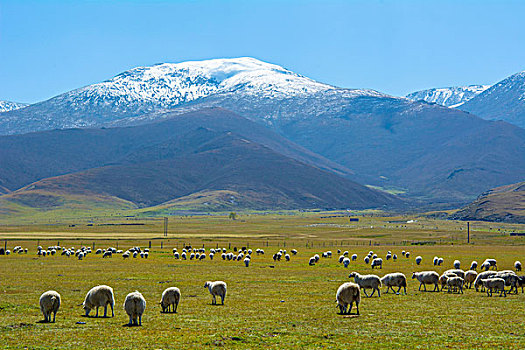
(49, 47)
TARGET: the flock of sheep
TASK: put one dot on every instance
(453, 280)
(134, 304)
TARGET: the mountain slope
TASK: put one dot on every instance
(448, 96)
(502, 204)
(503, 101)
(206, 160)
(6, 106)
(152, 164)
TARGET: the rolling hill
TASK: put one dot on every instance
(160, 162)
(502, 204)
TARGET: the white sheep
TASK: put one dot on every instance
(517, 266)
(488, 263)
(377, 262)
(311, 262)
(49, 303)
(135, 304)
(170, 297)
(217, 288)
(418, 259)
(367, 281)
(354, 257)
(346, 295)
(435, 260)
(341, 258)
(395, 279)
(394, 257)
(346, 262)
(107, 254)
(470, 277)
(294, 251)
(427, 277)
(478, 282)
(473, 265)
(440, 261)
(99, 296)
(443, 279)
(457, 272)
(407, 255)
(457, 264)
(456, 284)
(494, 283)
(287, 257)
(246, 262)
(367, 260)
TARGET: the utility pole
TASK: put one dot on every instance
(165, 227)
(468, 232)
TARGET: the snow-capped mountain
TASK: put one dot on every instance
(448, 96)
(6, 106)
(164, 86)
(502, 101)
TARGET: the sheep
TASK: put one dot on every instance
(510, 278)
(367, 260)
(211, 255)
(347, 294)
(388, 256)
(482, 275)
(407, 255)
(341, 258)
(473, 265)
(311, 262)
(345, 253)
(435, 260)
(521, 282)
(394, 257)
(443, 279)
(456, 284)
(99, 296)
(427, 277)
(517, 266)
(125, 255)
(135, 304)
(377, 262)
(246, 262)
(440, 261)
(470, 277)
(183, 255)
(287, 257)
(80, 256)
(374, 256)
(494, 283)
(146, 254)
(354, 257)
(316, 257)
(294, 251)
(217, 288)
(488, 263)
(395, 279)
(346, 262)
(457, 264)
(107, 254)
(49, 303)
(457, 272)
(135, 254)
(403, 252)
(329, 253)
(367, 281)
(418, 259)
(176, 255)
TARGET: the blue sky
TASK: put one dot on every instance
(49, 47)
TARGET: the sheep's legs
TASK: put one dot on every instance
(175, 307)
(112, 312)
(364, 291)
(350, 308)
(140, 320)
(105, 311)
(54, 316)
(130, 321)
(96, 315)
(222, 299)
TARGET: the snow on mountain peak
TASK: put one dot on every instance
(449, 96)
(6, 106)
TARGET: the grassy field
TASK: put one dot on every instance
(270, 304)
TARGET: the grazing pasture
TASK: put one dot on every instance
(272, 304)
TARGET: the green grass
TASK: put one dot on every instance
(291, 305)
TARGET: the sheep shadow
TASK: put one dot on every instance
(91, 316)
(131, 325)
(43, 321)
(169, 312)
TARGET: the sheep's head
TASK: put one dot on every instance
(207, 284)
(413, 275)
(353, 274)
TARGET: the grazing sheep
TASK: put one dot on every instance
(377, 262)
(135, 304)
(246, 262)
(311, 262)
(407, 255)
(367, 281)
(287, 257)
(403, 252)
(457, 272)
(345, 253)
(388, 256)
(427, 277)
(394, 257)
(494, 283)
(354, 257)
(347, 294)
(316, 257)
(455, 284)
(107, 254)
(457, 264)
(217, 288)
(440, 261)
(341, 258)
(443, 279)
(521, 282)
(346, 262)
(125, 255)
(367, 260)
(99, 296)
(374, 257)
(80, 256)
(470, 277)
(170, 297)
(395, 279)
(517, 266)
(418, 259)
(481, 276)
(294, 251)
(49, 303)
(510, 278)
(435, 260)
(488, 263)
(473, 265)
